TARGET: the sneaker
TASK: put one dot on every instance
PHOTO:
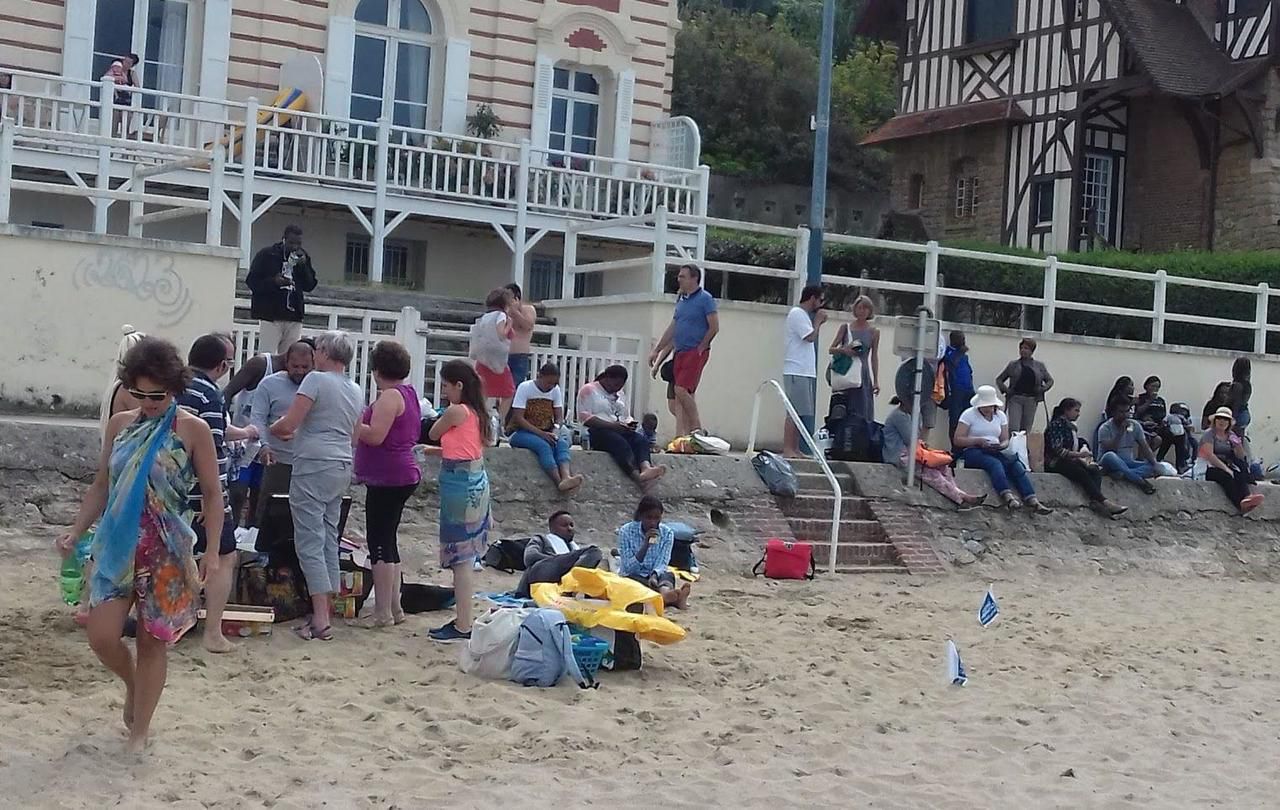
(449, 634)
(1147, 487)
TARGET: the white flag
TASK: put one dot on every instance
(955, 667)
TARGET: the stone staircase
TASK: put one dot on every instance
(864, 548)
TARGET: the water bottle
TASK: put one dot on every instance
(71, 575)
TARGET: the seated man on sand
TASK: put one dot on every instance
(548, 557)
(644, 553)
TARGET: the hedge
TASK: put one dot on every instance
(1248, 268)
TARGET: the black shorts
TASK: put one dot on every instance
(227, 545)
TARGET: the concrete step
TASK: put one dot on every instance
(819, 505)
(818, 530)
(869, 569)
(816, 482)
(858, 554)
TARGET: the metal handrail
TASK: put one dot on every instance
(836, 491)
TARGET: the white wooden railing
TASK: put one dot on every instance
(311, 147)
(581, 354)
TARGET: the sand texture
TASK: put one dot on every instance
(1088, 692)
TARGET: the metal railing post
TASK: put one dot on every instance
(1049, 316)
(217, 182)
(1158, 307)
(569, 263)
(932, 252)
(378, 243)
(248, 167)
(1260, 331)
(522, 215)
(658, 269)
(106, 128)
(6, 167)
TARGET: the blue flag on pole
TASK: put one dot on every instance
(955, 667)
(989, 610)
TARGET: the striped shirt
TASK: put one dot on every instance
(656, 557)
(204, 399)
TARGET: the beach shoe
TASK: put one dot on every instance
(449, 634)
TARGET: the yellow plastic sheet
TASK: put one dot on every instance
(609, 595)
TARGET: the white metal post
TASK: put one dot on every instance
(569, 263)
(106, 116)
(1260, 330)
(932, 252)
(378, 244)
(407, 334)
(801, 265)
(519, 236)
(1158, 305)
(6, 167)
(658, 269)
(136, 205)
(248, 168)
(217, 182)
(1049, 318)
(704, 191)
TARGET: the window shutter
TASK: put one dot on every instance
(457, 76)
(339, 55)
(77, 46)
(540, 129)
(215, 50)
(622, 115)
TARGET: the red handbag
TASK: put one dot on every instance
(784, 560)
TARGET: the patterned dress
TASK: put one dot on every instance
(142, 548)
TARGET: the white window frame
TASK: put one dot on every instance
(397, 258)
(573, 99)
(138, 44)
(392, 36)
(1099, 186)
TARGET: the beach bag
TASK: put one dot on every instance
(417, 598)
(776, 473)
(854, 438)
(713, 445)
(280, 587)
(544, 651)
(930, 457)
(492, 645)
(1017, 449)
(506, 554)
(624, 649)
(848, 378)
(940, 385)
(783, 560)
(486, 347)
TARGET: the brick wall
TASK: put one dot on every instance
(1166, 191)
(1249, 188)
(982, 149)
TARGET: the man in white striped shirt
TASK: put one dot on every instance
(210, 359)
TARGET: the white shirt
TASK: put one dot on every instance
(529, 389)
(593, 400)
(557, 543)
(982, 428)
(800, 359)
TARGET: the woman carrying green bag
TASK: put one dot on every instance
(854, 372)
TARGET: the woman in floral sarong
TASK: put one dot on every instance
(151, 457)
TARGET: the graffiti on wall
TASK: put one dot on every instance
(149, 278)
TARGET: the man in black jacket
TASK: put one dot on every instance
(278, 277)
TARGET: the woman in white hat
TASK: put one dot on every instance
(982, 436)
(1223, 450)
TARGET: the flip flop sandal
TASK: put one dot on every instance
(324, 635)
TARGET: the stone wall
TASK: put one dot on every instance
(1248, 215)
(1166, 190)
(851, 212)
(982, 151)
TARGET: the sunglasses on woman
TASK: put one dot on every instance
(153, 396)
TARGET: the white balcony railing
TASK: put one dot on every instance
(320, 149)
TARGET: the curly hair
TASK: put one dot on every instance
(156, 360)
(390, 359)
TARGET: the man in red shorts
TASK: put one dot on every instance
(694, 326)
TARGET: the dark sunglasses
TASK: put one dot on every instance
(153, 396)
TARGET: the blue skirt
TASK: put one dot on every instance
(464, 512)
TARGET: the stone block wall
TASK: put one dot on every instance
(1166, 190)
(1248, 215)
(982, 151)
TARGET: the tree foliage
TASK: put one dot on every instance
(747, 72)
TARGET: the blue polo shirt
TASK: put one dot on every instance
(692, 311)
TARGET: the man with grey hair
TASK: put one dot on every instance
(320, 422)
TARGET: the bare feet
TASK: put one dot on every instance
(570, 483)
(137, 743)
(128, 707)
(653, 473)
(217, 643)
(682, 596)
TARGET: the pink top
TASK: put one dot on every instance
(462, 442)
(391, 464)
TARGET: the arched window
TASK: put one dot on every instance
(390, 73)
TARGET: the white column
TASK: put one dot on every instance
(6, 168)
(801, 266)
(1260, 331)
(931, 277)
(1049, 315)
(106, 116)
(658, 269)
(378, 244)
(569, 263)
(519, 236)
(248, 164)
(1158, 305)
(217, 182)
(136, 206)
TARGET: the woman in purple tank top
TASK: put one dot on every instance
(385, 464)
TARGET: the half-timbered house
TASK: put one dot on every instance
(1065, 124)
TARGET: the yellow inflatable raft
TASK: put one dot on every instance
(601, 600)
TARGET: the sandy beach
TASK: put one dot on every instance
(1087, 692)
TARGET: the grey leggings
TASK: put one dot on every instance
(315, 501)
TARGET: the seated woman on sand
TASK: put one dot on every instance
(896, 440)
(1223, 450)
(644, 552)
(983, 436)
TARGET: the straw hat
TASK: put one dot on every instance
(986, 397)
(1224, 413)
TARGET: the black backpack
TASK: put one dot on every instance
(506, 554)
(854, 438)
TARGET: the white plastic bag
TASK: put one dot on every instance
(710, 444)
(1166, 470)
(493, 643)
(1018, 449)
